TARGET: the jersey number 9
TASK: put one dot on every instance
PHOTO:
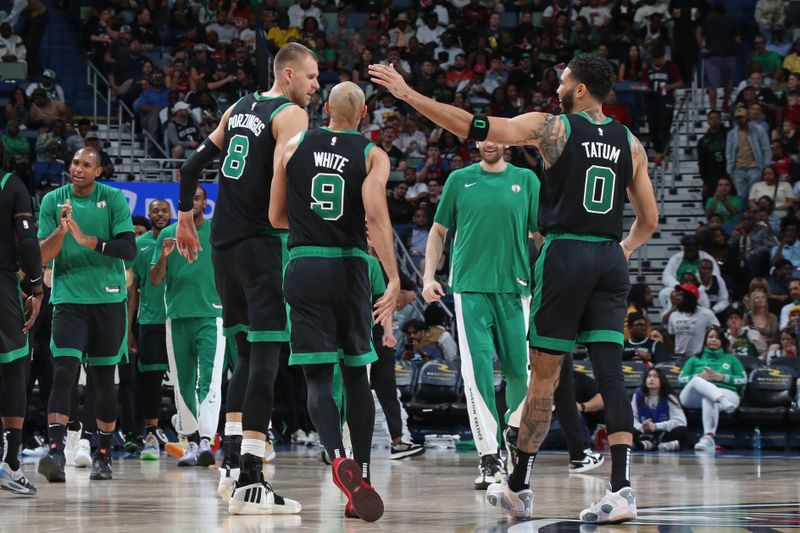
(327, 191)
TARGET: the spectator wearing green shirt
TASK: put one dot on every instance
(769, 61)
(195, 343)
(723, 203)
(85, 230)
(148, 344)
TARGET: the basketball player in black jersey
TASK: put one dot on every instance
(333, 178)
(249, 255)
(18, 247)
(581, 277)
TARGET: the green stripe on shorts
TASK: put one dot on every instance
(325, 251)
(601, 335)
(313, 358)
(13, 355)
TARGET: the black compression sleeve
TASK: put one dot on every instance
(205, 154)
(29, 252)
(123, 246)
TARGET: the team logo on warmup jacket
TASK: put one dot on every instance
(101, 204)
(516, 187)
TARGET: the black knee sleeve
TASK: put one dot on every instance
(258, 399)
(567, 411)
(322, 408)
(360, 411)
(607, 367)
(127, 397)
(151, 393)
(102, 378)
(12, 389)
(237, 385)
(65, 372)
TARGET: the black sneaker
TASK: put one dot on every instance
(510, 436)
(51, 466)
(492, 470)
(406, 449)
(101, 467)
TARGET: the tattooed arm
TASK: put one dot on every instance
(643, 201)
(545, 132)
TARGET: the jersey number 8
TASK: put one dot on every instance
(233, 166)
(598, 192)
(327, 191)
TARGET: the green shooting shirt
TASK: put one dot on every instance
(152, 310)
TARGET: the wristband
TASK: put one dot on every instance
(478, 127)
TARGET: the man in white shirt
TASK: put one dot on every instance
(48, 84)
(449, 47)
(794, 295)
(400, 65)
(431, 31)
(479, 89)
(224, 29)
(298, 13)
(688, 259)
(12, 49)
(597, 13)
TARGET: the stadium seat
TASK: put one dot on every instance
(750, 363)
(438, 387)
(584, 366)
(405, 374)
(672, 370)
(789, 362)
(632, 371)
(768, 394)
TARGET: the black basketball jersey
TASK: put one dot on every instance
(584, 191)
(14, 199)
(324, 179)
(245, 174)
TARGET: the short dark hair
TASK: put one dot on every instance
(781, 263)
(205, 194)
(714, 112)
(733, 311)
(139, 220)
(595, 72)
(417, 324)
(633, 317)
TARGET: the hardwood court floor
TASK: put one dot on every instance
(432, 493)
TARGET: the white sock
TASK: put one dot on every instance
(253, 447)
(233, 429)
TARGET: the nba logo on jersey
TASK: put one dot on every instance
(333, 141)
(600, 131)
(516, 187)
(253, 106)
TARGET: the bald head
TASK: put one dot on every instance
(346, 103)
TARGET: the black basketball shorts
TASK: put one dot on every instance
(13, 343)
(94, 333)
(152, 356)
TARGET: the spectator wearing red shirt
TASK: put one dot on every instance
(459, 72)
(618, 112)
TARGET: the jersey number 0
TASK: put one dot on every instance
(327, 191)
(598, 192)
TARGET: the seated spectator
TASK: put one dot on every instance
(449, 145)
(778, 292)
(98, 34)
(659, 422)
(780, 192)
(711, 154)
(126, 73)
(785, 167)
(792, 302)
(478, 89)
(418, 191)
(16, 147)
(457, 162)
(417, 239)
(459, 72)
(768, 60)
(397, 158)
(282, 33)
(143, 29)
(200, 65)
(430, 32)
(412, 141)
(618, 112)
(724, 203)
(743, 339)
(689, 322)
(400, 65)
(226, 32)
(640, 347)
(712, 286)
(437, 333)
(640, 299)
(404, 311)
(118, 46)
(789, 247)
(433, 166)
(686, 261)
(787, 347)
(712, 382)
(77, 141)
(47, 82)
(431, 203)
(415, 347)
(300, 11)
(12, 48)
(759, 316)
(44, 111)
(660, 334)
(51, 153)
(183, 133)
(753, 242)
(151, 102)
(93, 141)
(18, 108)
(340, 34)
(181, 21)
(400, 209)
(177, 79)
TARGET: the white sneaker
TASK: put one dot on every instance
(705, 444)
(15, 481)
(614, 507)
(515, 504)
(269, 452)
(71, 446)
(83, 454)
(313, 439)
(299, 437)
(227, 477)
(258, 499)
(492, 470)
(726, 406)
(669, 446)
(190, 457)
(590, 461)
